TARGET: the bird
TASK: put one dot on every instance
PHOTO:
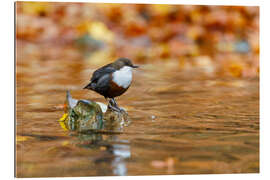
(112, 80)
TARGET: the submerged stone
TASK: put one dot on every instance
(115, 121)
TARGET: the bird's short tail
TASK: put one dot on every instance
(90, 86)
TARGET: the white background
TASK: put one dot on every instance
(7, 89)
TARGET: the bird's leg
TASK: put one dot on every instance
(111, 103)
(113, 106)
(114, 103)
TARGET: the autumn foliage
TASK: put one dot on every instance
(223, 40)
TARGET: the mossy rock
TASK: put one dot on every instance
(85, 115)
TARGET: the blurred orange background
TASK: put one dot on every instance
(224, 40)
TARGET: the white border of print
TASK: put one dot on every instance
(7, 88)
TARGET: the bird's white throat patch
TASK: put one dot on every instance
(123, 76)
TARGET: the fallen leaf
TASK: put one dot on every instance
(21, 138)
(63, 118)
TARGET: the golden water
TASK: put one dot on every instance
(200, 123)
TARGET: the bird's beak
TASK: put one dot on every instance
(133, 66)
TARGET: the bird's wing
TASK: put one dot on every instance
(103, 84)
(101, 72)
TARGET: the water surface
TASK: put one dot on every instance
(183, 122)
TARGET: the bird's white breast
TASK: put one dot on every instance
(123, 76)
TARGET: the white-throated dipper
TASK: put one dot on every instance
(112, 80)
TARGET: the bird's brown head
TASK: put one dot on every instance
(121, 62)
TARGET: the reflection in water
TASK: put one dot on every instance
(117, 151)
(122, 152)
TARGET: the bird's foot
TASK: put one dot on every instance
(114, 108)
(113, 105)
